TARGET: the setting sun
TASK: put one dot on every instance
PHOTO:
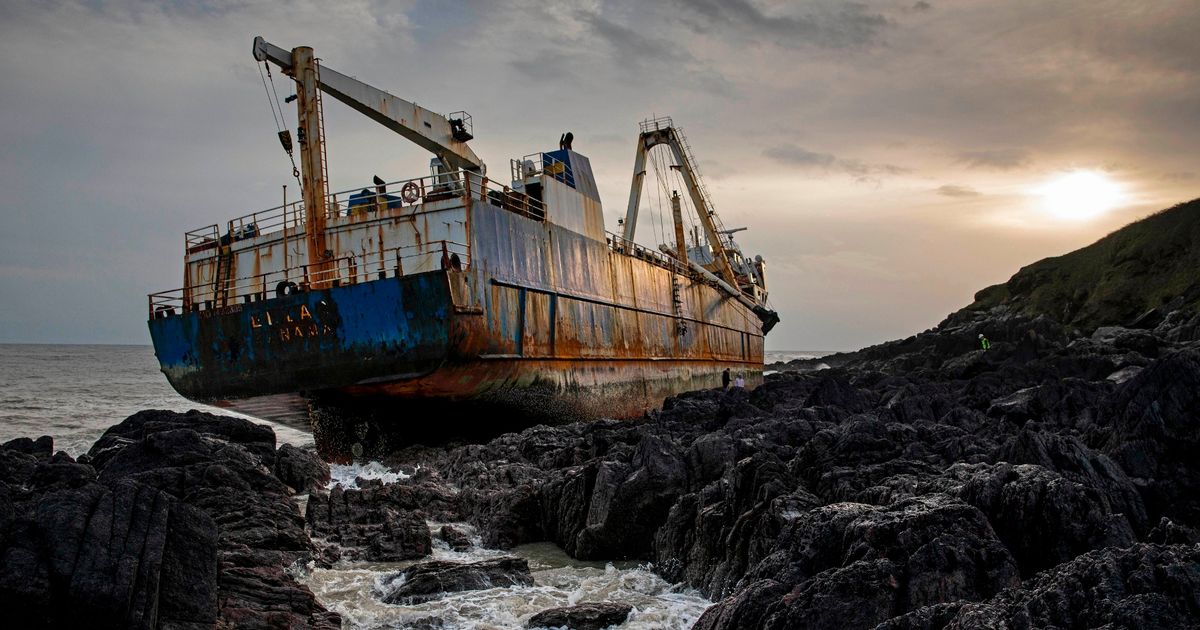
(1080, 195)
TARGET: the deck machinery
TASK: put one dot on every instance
(453, 286)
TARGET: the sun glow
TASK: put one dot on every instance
(1080, 195)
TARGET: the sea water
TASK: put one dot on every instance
(73, 393)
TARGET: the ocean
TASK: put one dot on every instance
(74, 392)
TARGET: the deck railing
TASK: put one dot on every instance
(351, 269)
(536, 164)
(618, 244)
(364, 201)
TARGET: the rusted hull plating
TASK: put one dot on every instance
(539, 308)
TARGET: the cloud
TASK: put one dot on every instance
(953, 190)
(629, 43)
(1179, 176)
(793, 154)
(825, 25)
(921, 6)
(860, 170)
(998, 159)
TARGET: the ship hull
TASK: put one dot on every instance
(540, 319)
(401, 338)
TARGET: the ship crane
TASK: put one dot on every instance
(445, 137)
(663, 131)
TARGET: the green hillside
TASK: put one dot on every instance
(1145, 265)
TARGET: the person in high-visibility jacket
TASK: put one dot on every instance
(983, 342)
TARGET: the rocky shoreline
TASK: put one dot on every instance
(1051, 480)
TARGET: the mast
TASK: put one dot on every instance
(312, 165)
(677, 216)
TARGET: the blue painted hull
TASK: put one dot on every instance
(390, 329)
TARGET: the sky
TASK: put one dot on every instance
(888, 158)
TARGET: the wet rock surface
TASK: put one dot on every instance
(169, 521)
(1050, 481)
(430, 580)
(595, 616)
(376, 522)
(921, 483)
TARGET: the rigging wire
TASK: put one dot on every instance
(279, 118)
(660, 165)
(271, 103)
(657, 225)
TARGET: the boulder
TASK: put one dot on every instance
(302, 470)
(589, 616)
(41, 448)
(224, 468)
(456, 538)
(431, 580)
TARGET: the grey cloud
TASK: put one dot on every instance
(861, 171)
(630, 43)
(825, 25)
(953, 190)
(1000, 159)
(801, 157)
(922, 6)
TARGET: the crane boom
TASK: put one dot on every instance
(668, 135)
(429, 130)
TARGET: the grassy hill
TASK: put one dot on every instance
(1148, 264)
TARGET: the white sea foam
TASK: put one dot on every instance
(783, 356)
(346, 475)
(350, 589)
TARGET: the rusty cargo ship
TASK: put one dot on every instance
(454, 286)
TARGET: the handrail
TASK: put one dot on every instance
(351, 269)
(402, 193)
(617, 243)
(541, 163)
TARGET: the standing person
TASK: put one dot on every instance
(725, 379)
(739, 383)
(984, 343)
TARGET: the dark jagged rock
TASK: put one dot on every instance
(455, 538)
(431, 580)
(1168, 532)
(1071, 458)
(855, 565)
(590, 616)
(255, 438)
(1043, 518)
(1156, 434)
(1143, 586)
(375, 523)
(905, 484)
(42, 447)
(78, 553)
(302, 470)
(223, 468)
